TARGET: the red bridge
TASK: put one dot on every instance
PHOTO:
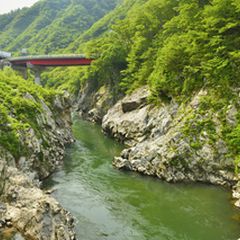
(50, 60)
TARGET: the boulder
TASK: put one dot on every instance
(34, 213)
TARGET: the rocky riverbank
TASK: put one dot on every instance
(174, 141)
(23, 205)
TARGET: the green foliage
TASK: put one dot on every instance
(19, 105)
(108, 46)
(233, 140)
(70, 79)
(176, 47)
(50, 26)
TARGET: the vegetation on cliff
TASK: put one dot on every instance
(34, 128)
(176, 47)
(19, 106)
(46, 27)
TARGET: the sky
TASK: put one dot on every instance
(8, 5)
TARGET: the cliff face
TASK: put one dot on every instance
(45, 151)
(160, 140)
(93, 102)
(31, 211)
(175, 141)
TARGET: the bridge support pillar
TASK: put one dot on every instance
(21, 70)
(37, 76)
(36, 71)
(1, 64)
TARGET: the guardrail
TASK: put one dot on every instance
(60, 56)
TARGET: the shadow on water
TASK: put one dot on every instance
(114, 205)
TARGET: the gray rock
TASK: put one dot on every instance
(93, 104)
(158, 145)
(231, 116)
(25, 207)
(136, 100)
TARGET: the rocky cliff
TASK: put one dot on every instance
(175, 141)
(23, 205)
(93, 101)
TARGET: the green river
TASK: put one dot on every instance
(113, 205)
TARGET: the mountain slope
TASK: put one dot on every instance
(176, 47)
(50, 25)
(97, 41)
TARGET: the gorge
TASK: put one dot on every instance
(164, 83)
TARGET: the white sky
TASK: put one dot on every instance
(8, 5)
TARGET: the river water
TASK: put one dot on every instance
(112, 205)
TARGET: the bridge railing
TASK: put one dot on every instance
(59, 56)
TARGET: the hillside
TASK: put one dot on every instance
(34, 127)
(135, 44)
(144, 42)
(49, 26)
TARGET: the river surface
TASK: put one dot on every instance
(113, 205)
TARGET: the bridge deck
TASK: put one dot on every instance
(51, 60)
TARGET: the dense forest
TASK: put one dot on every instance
(50, 26)
(176, 47)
